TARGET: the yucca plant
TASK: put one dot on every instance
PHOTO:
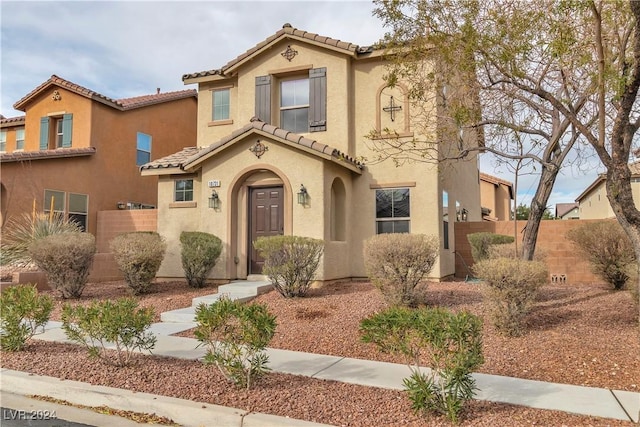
(21, 231)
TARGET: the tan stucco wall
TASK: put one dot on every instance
(353, 111)
(595, 205)
(496, 197)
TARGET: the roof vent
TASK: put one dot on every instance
(287, 25)
(158, 90)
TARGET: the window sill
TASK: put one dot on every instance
(392, 135)
(220, 122)
(183, 205)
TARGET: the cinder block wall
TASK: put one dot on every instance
(562, 256)
(109, 225)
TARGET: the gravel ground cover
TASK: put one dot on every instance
(578, 334)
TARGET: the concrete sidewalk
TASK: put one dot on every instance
(599, 402)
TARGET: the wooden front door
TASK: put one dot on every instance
(266, 219)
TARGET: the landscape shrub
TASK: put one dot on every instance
(199, 254)
(138, 255)
(480, 243)
(508, 250)
(449, 343)
(110, 325)
(396, 263)
(66, 260)
(290, 262)
(21, 231)
(608, 250)
(22, 312)
(512, 285)
(236, 336)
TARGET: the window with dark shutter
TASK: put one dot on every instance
(318, 99)
(67, 127)
(263, 98)
(44, 133)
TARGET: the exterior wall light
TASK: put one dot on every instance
(303, 195)
(214, 200)
(465, 214)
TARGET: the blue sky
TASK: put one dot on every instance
(123, 48)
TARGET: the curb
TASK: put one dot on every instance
(185, 412)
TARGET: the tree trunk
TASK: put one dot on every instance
(538, 206)
(620, 197)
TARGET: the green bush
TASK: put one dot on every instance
(396, 263)
(21, 231)
(199, 254)
(512, 287)
(290, 262)
(66, 260)
(480, 243)
(110, 325)
(22, 312)
(449, 343)
(138, 255)
(608, 249)
(236, 336)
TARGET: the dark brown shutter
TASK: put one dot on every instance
(263, 98)
(318, 99)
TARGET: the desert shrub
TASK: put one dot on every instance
(508, 250)
(608, 250)
(511, 288)
(110, 325)
(22, 312)
(66, 260)
(236, 336)
(480, 243)
(449, 343)
(199, 254)
(290, 262)
(396, 263)
(138, 255)
(21, 231)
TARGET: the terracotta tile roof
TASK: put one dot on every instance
(494, 180)
(12, 121)
(175, 160)
(564, 208)
(186, 158)
(18, 156)
(120, 104)
(287, 31)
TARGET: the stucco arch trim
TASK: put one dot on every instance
(406, 131)
(237, 226)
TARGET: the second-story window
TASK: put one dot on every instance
(20, 139)
(221, 104)
(294, 105)
(56, 132)
(3, 141)
(143, 148)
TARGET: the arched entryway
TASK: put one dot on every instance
(261, 206)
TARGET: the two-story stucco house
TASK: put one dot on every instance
(593, 202)
(78, 152)
(282, 148)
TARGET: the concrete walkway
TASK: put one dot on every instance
(614, 404)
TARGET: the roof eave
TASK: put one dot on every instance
(174, 170)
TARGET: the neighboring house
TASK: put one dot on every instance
(593, 201)
(567, 211)
(281, 149)
(496, 196)
(78, 152)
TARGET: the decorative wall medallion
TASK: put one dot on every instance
(289, 53)
(258, 149)
(392, 108)
(56, 96)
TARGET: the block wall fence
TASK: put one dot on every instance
(109, 225)
(562, 257)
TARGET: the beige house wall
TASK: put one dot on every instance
(354, 110)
